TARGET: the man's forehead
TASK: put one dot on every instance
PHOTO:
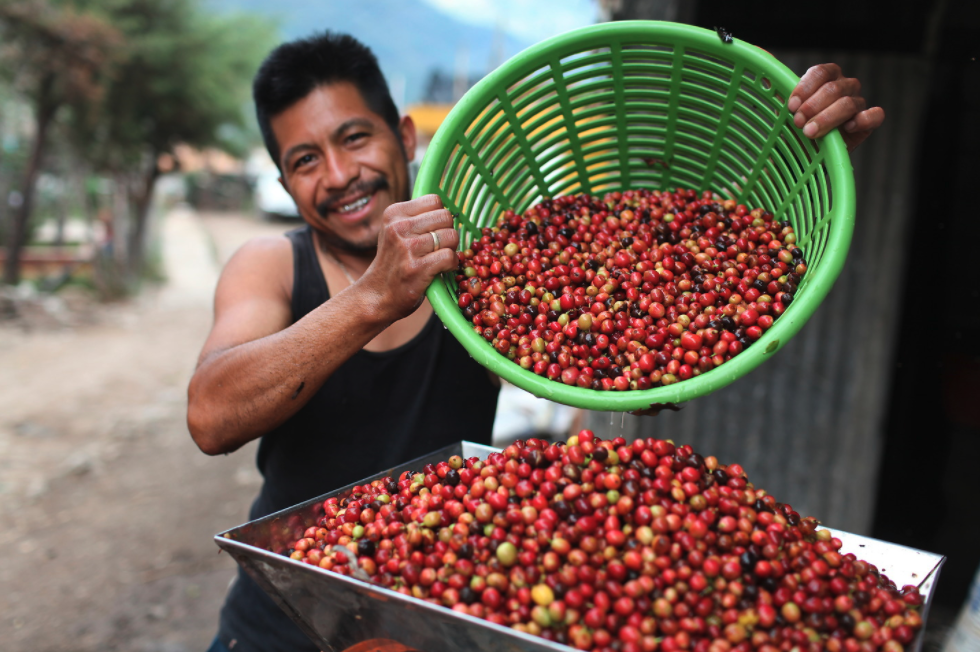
(327, 107)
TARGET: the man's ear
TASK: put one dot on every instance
(406, 131)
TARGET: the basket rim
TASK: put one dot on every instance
(840, 230)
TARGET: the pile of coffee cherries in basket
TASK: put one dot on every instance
(604, 545)
(631, 291)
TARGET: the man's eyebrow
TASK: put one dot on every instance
(353, 122)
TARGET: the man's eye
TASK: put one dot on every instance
(360, 135)
(302, 160)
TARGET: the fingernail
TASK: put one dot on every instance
(793, 104)
(810, 130)
(850, 125)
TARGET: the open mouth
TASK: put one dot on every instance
(356, 202)
(355, 205)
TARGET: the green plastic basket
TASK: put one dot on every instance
(629, 105)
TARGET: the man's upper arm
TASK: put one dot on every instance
(252, 299)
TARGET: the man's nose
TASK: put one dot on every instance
(340, 169)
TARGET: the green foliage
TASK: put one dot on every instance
(184, 78)
(118, 83)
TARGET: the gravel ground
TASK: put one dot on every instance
(107, 508)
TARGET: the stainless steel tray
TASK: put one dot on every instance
(339, 613)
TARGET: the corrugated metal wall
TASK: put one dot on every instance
(807, 424)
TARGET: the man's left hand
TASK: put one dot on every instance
(825, 99)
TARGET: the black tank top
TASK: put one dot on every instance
(378, 410)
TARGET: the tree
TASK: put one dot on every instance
(184, 78)
(55, 56)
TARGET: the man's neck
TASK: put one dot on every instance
(355, 259)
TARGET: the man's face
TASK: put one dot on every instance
(342, 164)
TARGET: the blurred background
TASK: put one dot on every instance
(131, 168)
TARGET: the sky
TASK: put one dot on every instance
(528, 20)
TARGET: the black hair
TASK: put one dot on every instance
(295, 69)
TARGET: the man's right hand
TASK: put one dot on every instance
(257, 369)
(407, 259)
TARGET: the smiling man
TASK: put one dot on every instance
(323, 343)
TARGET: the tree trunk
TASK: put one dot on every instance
(141, 201)
(46, 109)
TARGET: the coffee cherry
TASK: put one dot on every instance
(633, 290)
(609, 545)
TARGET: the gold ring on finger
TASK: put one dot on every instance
(435, 241)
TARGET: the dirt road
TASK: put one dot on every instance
(107, 508)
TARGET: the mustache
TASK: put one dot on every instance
(333, 202)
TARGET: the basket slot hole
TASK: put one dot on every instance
(807, 218)
(605, 161)
(646, 68)
(578, 56)
(606, 136)
(762, 195)
(792, 163)
(606, 182)
(491, 137)
(543, 129)
(599, 152)
(525, 195)
(748, 126)
(542, 103)
(585, 58)
(548, 133)
(778, 178)
(766, 84)
(691, 141)
(528, 83)
(762, 118)
(736, 164)
(587, 105)
(647, 47)
(592, 77)
(490, 117)
(763, 104)
(554, 158)
(561, 177)
(493, 111)
(780, 103)
(691, 124)
(737, 157)
(803, 145)
(450, 171)
(636, 122)
(703, 92)
(724, 177)
(693, 53)
(704, 75)
(502, 161)
(634, 81)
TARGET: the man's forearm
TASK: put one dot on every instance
(241, 393)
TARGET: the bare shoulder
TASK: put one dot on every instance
(269, 251)
(253, 296)
(263, 265)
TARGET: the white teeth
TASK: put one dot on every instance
(347, 208)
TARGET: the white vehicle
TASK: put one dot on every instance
(271, 199)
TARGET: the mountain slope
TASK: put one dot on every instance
(409, 37)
